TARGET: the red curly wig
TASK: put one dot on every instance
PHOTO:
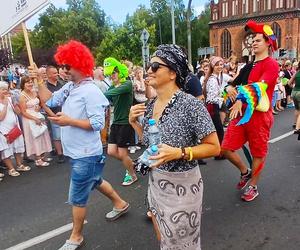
(77, 56)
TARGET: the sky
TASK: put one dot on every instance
(116, 9)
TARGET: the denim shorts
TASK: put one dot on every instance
(55, 132)
(86, 174)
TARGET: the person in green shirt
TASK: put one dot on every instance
(295, 81)
(122, 134)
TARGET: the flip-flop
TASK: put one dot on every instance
(116, 213)
(71, 245)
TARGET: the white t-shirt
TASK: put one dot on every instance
(10, 119)
(202, 80)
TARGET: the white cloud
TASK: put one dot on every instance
(198, 9)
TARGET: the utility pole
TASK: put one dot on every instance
(159, 25)
(173, 22)
(188, 17)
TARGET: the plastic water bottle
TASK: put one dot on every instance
(144, 158)
(154, 133)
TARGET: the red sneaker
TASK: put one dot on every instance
(250, 194)
(244, 180)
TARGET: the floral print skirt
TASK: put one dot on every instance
(175, 199)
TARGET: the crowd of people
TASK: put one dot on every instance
(211, 112)
(218, 72)
(26, 132)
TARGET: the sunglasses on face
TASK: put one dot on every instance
(156, 65)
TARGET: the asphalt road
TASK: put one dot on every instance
(35, 203)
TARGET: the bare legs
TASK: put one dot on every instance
(122, 155)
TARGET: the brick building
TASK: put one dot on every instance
(228, 18)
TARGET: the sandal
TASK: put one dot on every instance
(116, 213)
(71, 245)
(13, 173)
(23, 168)
(41, 163)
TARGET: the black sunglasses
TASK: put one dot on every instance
(156, 65)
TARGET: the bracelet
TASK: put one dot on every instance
(183, 154)
(190, 154)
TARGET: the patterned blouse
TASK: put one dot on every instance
(213, 90)
(184, 123)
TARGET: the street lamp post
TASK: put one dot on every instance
(173, 22)
(189, 36)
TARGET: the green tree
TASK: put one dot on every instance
(161, 10)
(18, 43)
(124, 41)
(83, 20)
(200, 31)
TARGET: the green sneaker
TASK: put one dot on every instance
(128, 180)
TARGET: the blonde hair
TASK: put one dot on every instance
(3, 85)
(129, 65)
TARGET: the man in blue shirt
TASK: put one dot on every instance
(81, 119)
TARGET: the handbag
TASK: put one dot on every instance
(37, 130)
(13, 134)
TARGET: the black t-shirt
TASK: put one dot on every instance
(193, 85)
(242, 78)
(287, 74)
(52, 88)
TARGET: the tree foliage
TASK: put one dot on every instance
(84, 20)
(124, 41)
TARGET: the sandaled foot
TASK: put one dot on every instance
(129, 180)
(13, 173)
(23, 168)
(116, 213)
(72, 245)
(41, 163)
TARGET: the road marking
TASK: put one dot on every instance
(276, 139)
(41, 238)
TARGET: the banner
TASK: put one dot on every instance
(13, 12)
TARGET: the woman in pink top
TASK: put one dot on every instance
(30, 109)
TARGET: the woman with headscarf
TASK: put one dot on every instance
(212, 88)
(187, 134)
